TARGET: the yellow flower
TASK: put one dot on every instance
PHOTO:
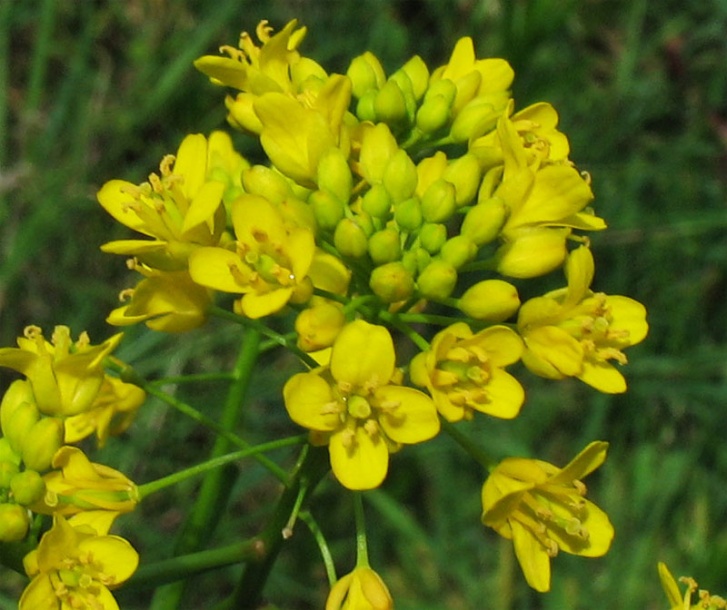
(545, 204)
(677, 602)
(362, 589)
(79, 485)
(180, 208)
(111, 413)
(541, 508)
(65, 376)
(75, 567)
(167, 301)
(356, 406)
(574, 332)
(270, 263)
(464, 372)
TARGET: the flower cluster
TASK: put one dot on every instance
(388, 231)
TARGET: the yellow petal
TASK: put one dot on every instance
(409, 415)
(602, 376)
(533, 252)
(363, 353)
(670, 587)
(506, 396)
(309, 401)
(191, 163)
(207, 200)
(39, 595)
(551, 352)
(359, 461)
(257, 305)
(219, 269)
(531, 555)
(629, 315)
(223, 70)
(115, 199)
(116, 556)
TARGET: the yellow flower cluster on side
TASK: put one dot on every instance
(677, 601)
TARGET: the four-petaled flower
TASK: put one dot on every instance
(463, 372)
(574, 332)
(356, 406)
(542, 509)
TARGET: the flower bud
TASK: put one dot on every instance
(18, 393)
(477, 118)
(458, 250)
(437, 280)
(465, 174)
(385, 246)
(400, 176)
(532, 254)
(433, 114)
(365, 72)
(19, 424)
(241, 113)
(438, 202)
(350, 239)
(390, 104)
(444, 88)
(365, 108)
(41, 443)
(408, 214)
(418, 74)
(14, 522)
(483, 222)
(432, 237)
(392, 282)
(266, 182)
(359, 590)
(377, 202)
(7, 454)
(334, 174)
(27, 487)
(318, 326)
(327, 209)
(490, 301)
(8, 470)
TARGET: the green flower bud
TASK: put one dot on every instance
(404, 83)
(350, 239)
(423, 258)
(432, 237)
(42, 442)
(28, 487)
(366, 108)
(18, 426)
(392, 282)
(385, 246)
(6, 452)
(334, 174)
(18, 393)
(400, 176)
(438, 202)
(410, 260)
(418, 74)
(490, 301)
(365, 72)
(408, 214)
(433, 114)
(465, 174)
(327, 209)
(458, 250)
(377, 202)
(444, 88)
(475, 119)
(266, 182)
(14, 522)
(483, 222)
(390, 104)
(437, 280)
(7, 471)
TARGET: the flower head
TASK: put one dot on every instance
(574, 332)
(356, 406)
(362, 589)
(464, 372)
(541, 508)
(75, 566)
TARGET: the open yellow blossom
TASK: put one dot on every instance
(362, 589)
(464, 372)
(355, 405)
(180, 208)
(679, 602)
(75, 566)
(542, 509)
(65, 376)
(269, 265)
(574, 332)
(79, 485)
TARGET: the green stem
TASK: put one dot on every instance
(199, 377)
(311, 468)
(362, 549)
(320, 539)
(396, 321)
(427, 318)
(474, 450)
(193, 471)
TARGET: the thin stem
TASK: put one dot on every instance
(193, 471)
(362, 549)
(196, 378)
(320, 539)
(396, 321)
(474, 450)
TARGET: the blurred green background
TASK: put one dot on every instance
(94, 90)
